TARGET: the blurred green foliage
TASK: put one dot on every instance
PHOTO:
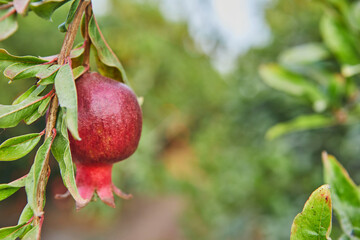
(204, 134)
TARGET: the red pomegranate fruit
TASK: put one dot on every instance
(109, 123)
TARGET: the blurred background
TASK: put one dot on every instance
(203, 169)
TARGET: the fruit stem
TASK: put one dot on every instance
(54, 105)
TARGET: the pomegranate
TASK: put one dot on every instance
(109, 122)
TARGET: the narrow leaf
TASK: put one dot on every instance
(8, 189)
(18, 71)
(61, 151)
(338, 39)
(25, 217)
(11, 233)
(39, 112)
(305, 122)
(72, 11)
(9, 25)
(11, 115)
(45, 73)
(32, 181)
(25, 95)
(6, 59)
(108, 63)
(345, 195)
(33, 234)
(26, 214)
(78, 71)
(17, 147)
(293, 84)
(66, 92)
(314, 222)
(305, 54)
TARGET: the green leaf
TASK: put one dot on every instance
(25, 217)
(61, 151)
(283, 80)
(8, 189)
(66, 92)
(9, 25)
(78, 71)
(46, 8)
(25, 95)
(305, 54)
(48, 76)
(11, 115)
(26, 214)
(306, 122)
(39, 112)
(71, 14)
(108, 63)
(6, 59)
(345, 195)
(45, 73)
(339, 40)
(11, 233)
(32, 180)
(18, 71)
(33, 234)
(21, 6)
(314, 222)
(17, 147)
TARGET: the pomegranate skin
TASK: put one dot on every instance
(109, 124)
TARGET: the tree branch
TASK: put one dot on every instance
(54, 105)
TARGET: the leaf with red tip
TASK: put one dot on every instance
(108, 63)
(345, 195)
(314, 222)
(66, 92)
(61, 151)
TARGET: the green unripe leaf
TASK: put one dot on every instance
(61, 151)
(24, 96)
(345, 195)
(33, 178)
(18, 147)
(107, 62)
(11, 233)
(314, 222)
(66, 92)
(8, 189)
(11, 115)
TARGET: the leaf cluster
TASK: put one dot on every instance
(323, 75)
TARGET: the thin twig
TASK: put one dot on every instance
(87, 40)
(54, 105)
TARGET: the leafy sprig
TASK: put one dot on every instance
(54, 93)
